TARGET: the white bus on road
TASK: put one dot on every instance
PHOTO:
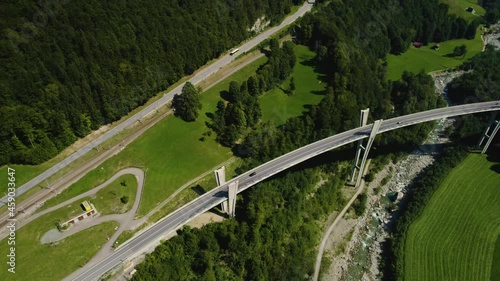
(234, 51)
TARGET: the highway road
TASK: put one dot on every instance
(196, 79)
(216, 196)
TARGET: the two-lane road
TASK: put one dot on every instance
(214, 197)
(196, 79)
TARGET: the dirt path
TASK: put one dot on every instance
(334, 224)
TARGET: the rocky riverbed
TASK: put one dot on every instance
(354, 247)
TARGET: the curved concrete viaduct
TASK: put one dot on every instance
(181, 216)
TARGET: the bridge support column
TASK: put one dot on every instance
(486, 131)
(362, 122)
(220, 178)
(371, 138)
(232, 191)
(491, 137)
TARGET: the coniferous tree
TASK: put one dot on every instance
(187, 105)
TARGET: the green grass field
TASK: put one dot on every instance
(108, 200)
(82, 245)
(454, 238)
(278, 106)
(172, 153)
(458, 7)
(426, 59)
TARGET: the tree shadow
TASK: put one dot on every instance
(451, 55)
(318, 93)
(265, 51)
(320, 69)
(224, 94)
(495, 168)
(308, 106)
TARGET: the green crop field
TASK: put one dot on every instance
(458, 7)
(495, 265)
(277, 106)
(172, 153)
(427, 60)
(454, 237)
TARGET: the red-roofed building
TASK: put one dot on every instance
(417, 44)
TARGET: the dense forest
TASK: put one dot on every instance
(273, 238)
(492, 8)
(68, 68)
(481, 82)
(401, 22)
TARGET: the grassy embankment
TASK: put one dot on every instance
(454, 237)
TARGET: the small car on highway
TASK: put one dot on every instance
(252, 174)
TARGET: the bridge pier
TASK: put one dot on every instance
(486, 131)
(220, 178)
(232, 191)
(362, 122)
(491, 137)
(361, 167)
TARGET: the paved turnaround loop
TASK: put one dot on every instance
(216, 196)
(196, 79)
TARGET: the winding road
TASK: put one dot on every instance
(123, 219)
